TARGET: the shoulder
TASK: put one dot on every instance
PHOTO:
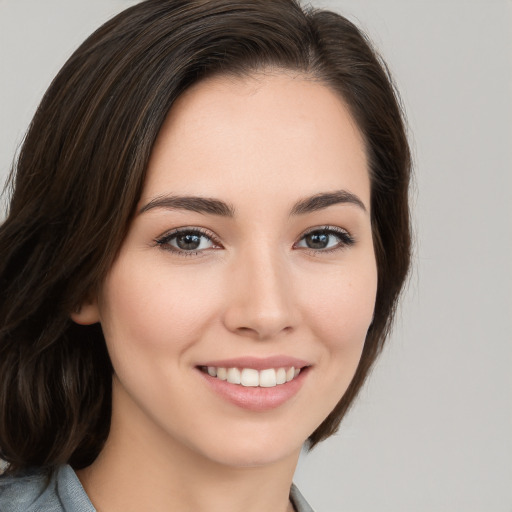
(299, 502)
(23, 491)
(36, 491)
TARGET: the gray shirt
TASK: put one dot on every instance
(63, 492)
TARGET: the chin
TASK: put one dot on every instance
(251, 455)
(260, 447)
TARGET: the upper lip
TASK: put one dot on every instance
(257, 363)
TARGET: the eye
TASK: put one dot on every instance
(188, 241)
(325, 239)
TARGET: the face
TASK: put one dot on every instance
(250, 259)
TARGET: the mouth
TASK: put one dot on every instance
(251, 377)
(255, 384)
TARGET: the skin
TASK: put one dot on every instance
(260, 144)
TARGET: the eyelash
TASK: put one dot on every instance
(164, 241)
(344, 237)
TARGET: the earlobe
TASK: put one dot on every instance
(86, 313)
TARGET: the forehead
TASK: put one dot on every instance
(270, 135)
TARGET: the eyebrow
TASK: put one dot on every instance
(191, 203)
(324, 200)
(217, 207)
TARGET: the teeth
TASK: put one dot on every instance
(268, 378)
(250, 377)
(234, 376)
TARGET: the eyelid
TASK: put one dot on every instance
(330, 228)
(346, 238)
(163, 240)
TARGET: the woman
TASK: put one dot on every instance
(207, 237)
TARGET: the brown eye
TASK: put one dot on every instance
(325, 239)
(186, 241)
(317, 240)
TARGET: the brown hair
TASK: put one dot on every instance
(81, 170)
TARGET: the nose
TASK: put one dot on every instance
(261, 302)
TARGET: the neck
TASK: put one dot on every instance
(143, 470)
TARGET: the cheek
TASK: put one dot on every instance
(340, 309)
(148, 308)
(338, 314)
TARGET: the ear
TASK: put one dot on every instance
(87, 312)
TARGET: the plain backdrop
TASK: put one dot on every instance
(432, 429)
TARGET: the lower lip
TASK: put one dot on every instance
(255, 398)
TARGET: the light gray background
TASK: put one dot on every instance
(432, 430)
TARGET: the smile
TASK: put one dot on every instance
(255, 384)
(250, 377)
